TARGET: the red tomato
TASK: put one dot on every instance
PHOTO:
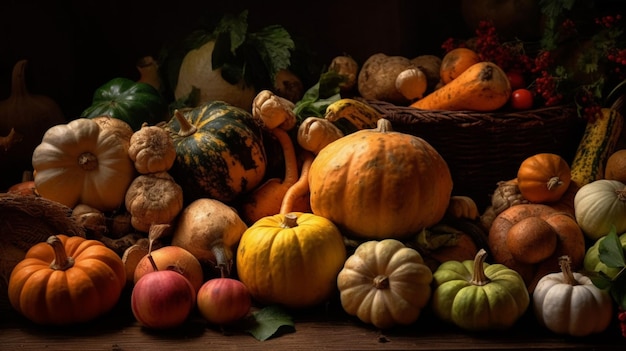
(522, 99)
(516, 79)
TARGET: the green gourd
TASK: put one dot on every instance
(133, 102)
(477, 296)
(219, 151)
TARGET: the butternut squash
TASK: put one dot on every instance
(482, 87)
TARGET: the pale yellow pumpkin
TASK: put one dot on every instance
(79, 162)
(385, 283)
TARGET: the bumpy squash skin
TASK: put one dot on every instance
(224, 158)
(132, 102)
(597, 144)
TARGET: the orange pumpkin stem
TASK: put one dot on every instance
(61, 261)
(186, 128)
(621, 194)
(478, 276)
(566, 267)
(88, 161)
(290, 221)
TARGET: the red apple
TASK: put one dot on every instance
(162, 299)
(180, 259)
(224, 300)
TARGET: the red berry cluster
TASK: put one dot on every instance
(608, 21)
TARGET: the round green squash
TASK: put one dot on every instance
(592, 262)
(132, 102)
(476, 296)
(219, 151)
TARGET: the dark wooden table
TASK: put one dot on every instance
(324, 328)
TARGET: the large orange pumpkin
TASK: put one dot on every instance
(66, 280)
(378, 183)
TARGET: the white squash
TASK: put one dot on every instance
(569, 303)
(80, 162)
(196, 71)
(599, 205)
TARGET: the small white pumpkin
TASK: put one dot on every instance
(599, 205)
(569, 303)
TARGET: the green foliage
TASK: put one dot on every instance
(317, 98)
(611, 253)
(270, 321)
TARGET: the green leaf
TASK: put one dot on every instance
(235, 27)
(270, 321)
(611, 251)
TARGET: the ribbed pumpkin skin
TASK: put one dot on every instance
(224, 158)
(88, 289)
(293, 266)
(380, 184)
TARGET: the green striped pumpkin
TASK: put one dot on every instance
(219, 151)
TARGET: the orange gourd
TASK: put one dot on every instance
(482, 87)
(378, 183)
(455, 62)
(543, 178)
(66, 280)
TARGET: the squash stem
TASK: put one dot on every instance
(554, 182)
(223, 261)
(61, 261)
(186, 128)
(478, 277)
(566, 267)
(621, 194)
(290, 221)
(18, 81)
(381, 282)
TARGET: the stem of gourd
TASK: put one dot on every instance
(554, 182)
(566, 268)
(223, 261)
(289, 221)
(88, 161)
(186, 128)
(478, 276)
(381, 282)
(61, 260)
(621, 194)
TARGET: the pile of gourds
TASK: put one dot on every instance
(366, 215)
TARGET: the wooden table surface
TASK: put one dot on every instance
(324, 328)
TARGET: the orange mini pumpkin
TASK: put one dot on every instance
(66, 280)
(543, 178)
(378, 183)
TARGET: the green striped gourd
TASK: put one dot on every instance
(219, 151)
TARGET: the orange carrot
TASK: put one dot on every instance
(300, 188)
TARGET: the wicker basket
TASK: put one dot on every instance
(482, 149)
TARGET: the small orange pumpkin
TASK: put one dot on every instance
(543, 178)
(66, 280)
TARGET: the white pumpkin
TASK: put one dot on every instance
(599, 205)
(80, 162)
(196, 71)
(569, 303)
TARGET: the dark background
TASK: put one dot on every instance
(73, 47)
